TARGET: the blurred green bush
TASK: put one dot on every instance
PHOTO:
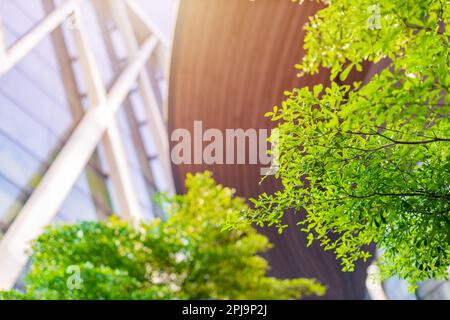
(188, 256)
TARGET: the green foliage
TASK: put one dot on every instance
(371, 163)
(187, 256)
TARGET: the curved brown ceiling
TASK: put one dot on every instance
(232, 60)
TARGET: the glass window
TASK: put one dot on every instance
(95, 184)
(161, 13)
(32, 67)
(130, 150)
(431, 290)
(32, 9)
(10, 203)
(16, 19)
(140, 187)
(17, 165)
(95, 40)
(397, 289)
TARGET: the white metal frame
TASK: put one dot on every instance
(112, 143)
(2, 43)
(22, 47)
(97, 126)
(373, 284)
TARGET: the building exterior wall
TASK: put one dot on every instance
(232, 63)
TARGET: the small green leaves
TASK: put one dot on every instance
(371, 162)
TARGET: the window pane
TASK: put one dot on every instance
(10, 203)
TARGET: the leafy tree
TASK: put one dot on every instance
(370, 162)
(185, 257)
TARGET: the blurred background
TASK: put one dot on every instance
(81, 139)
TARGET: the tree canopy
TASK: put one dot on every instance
(187, 256)
(370, 162)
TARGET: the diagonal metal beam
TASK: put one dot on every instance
(26, 43)
(144, 27)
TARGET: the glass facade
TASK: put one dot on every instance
(34, 118)
(37, 117)
(429, 290)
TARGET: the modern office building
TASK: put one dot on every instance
(91, 89)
